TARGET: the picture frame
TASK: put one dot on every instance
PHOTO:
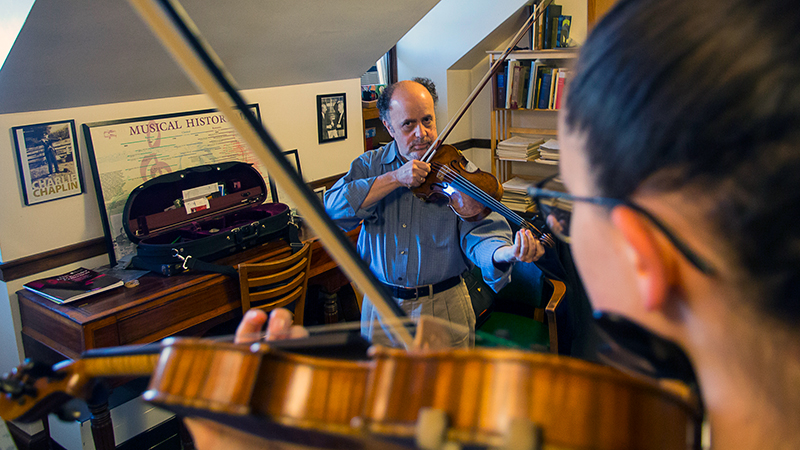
(294, 160)
(48, 161)
(331, 117)
(320, 191)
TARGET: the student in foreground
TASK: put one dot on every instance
(686, 115)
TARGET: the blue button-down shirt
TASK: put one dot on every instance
(409, 242)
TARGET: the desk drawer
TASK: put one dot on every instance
(179, 312)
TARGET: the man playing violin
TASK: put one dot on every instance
(419, 249)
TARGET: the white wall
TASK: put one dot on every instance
(442, 37)
(450, 30)
(289, 114)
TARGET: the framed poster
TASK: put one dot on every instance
(47, 155)
(125, 153)
(331, 117)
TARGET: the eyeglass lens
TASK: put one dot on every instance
(556, 212)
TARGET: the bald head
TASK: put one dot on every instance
(407, 112)
(385, 98)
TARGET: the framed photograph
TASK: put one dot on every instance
(294, 161)
(331, 117)
(47, 154)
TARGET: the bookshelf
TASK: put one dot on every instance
(508, 122)
(372, 119)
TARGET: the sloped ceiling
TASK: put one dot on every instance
(87, 52)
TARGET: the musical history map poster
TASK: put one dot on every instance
(126, 153)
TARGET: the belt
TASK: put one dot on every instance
(406, 293)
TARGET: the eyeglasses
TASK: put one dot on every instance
(556, 207)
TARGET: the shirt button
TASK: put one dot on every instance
(404, 225)
(403, 252)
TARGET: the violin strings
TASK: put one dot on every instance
(465, 185)
(453, 177)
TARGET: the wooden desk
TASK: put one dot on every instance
(186, 304)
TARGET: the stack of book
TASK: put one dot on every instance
(549, 153)
(74, 285)
(515, 195)
(519, 148)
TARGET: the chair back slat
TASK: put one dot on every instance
(274, 284)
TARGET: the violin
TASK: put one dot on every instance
(393, 398)
(471, 193)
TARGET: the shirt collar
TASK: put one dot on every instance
(391, 153)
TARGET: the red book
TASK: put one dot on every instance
(562, 80)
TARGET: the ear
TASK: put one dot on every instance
(388, 128)
(652, 262)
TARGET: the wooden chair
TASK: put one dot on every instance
(277, 283)
(524, 311)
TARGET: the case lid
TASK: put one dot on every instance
(173, 200)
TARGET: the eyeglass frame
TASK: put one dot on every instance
(537, 193)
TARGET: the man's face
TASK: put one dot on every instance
(412, 120)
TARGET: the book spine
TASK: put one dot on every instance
(502, 73)
(550, 13)
(514, 97)
(529, 100)
(562, 81)
(544, 94)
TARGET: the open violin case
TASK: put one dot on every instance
(187, 219)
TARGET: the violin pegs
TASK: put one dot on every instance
(36, 369)
(12, 387)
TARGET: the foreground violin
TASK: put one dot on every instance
(391, 398)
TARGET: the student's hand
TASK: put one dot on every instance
(526, 248)
(279, 326)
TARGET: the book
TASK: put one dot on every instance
(502, 74)
(553, 83)
(544, 90)
(74, 285)
(551, 13)
(533, 80)
(562, 34)
(519, 148)
(562, 80)
(522, 96)
(511, 83)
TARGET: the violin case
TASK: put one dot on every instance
(187, 219)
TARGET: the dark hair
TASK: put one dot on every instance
(681, 92)
(385, 98)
